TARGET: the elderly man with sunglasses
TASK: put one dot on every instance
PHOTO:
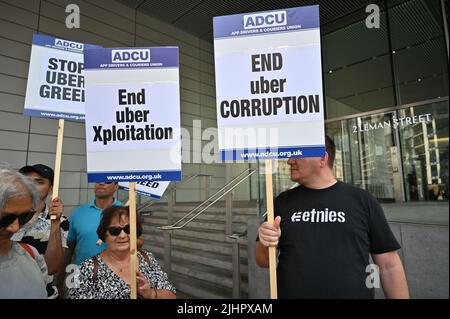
(48, 236)
(23, 271)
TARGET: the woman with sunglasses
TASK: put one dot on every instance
(108, 274)
(23, 272)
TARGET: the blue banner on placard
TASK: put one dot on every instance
(116, 58)
(134, 176)
(61, 44)
(283, 20)
(268, 153)
(55, 115)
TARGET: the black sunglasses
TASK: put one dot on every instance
(10, 218)
(116, 230)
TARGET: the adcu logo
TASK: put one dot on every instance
(270, 19)
(135, 55)
(69, 44)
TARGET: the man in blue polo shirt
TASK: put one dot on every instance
(84, 221)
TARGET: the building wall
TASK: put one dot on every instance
(30, 140)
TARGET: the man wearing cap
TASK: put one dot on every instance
(48, 236)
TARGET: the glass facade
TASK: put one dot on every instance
(425, 153)
(356, 66)
(403, 61)
(420, 62)
(387, 108)
(397, 155)
(365, 153)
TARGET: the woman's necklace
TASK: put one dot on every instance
(120, 267)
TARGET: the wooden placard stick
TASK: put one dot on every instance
(133, 234)
(59, 144)
(270, 219)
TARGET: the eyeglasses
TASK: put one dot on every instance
(10, 218)
(116, 230)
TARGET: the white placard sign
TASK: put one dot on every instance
(150, 189)
(132, 114)
(55, 86)
(269, 84)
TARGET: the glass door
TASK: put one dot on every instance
(367, 155)
(425, 152)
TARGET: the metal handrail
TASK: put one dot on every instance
(237, 236)
(221, 193)
(172, 189)
(212, 196)
(146, 205)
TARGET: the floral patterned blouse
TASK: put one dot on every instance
(108, 285)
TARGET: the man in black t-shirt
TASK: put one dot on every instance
(324, 231)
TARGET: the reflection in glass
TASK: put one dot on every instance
(364, 158)
(425, 152)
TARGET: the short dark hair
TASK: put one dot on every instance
(331, 150)
(109, 213)
(43, 170)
